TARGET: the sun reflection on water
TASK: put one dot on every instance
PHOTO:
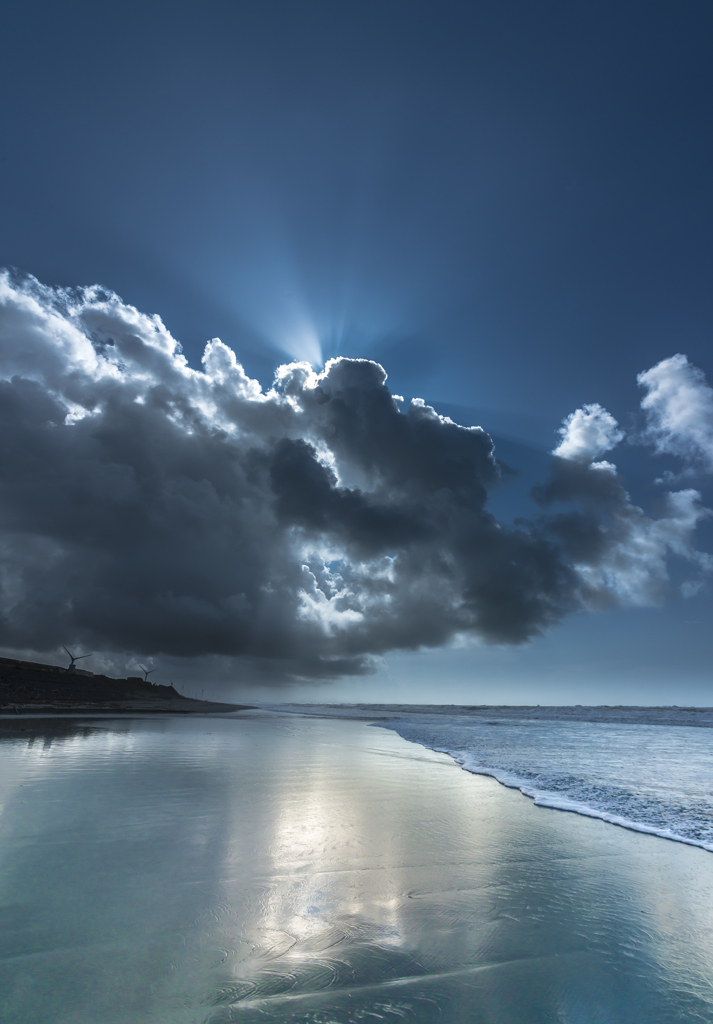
(272, 869)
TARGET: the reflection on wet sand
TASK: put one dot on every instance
(266, 868)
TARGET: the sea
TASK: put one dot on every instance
(644, 768)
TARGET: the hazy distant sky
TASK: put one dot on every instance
(508, 205)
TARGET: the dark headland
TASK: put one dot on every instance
(31, 688)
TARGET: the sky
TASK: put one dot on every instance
(506, 206)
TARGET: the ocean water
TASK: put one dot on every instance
(274, 868)
(650, 769)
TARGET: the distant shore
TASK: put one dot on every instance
(35, 689)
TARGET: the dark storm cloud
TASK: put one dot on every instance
(150, 508)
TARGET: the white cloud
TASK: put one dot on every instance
(587, 433)
(679, 410)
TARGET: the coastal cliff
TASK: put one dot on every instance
(33, 688)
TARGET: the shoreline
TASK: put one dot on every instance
(574, 787)
(411, 721)
(557, 802)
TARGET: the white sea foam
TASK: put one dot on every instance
(647, 769)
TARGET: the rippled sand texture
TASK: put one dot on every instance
(269, 869)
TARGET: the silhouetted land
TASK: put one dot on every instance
(30, 688)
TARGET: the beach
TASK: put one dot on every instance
(267, 867)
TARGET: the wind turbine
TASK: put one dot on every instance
(72, 668)
(147, 672)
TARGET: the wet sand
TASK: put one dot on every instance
(267, 868)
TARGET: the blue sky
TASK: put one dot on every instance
(506, 205)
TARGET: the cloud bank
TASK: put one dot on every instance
(149, 508)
